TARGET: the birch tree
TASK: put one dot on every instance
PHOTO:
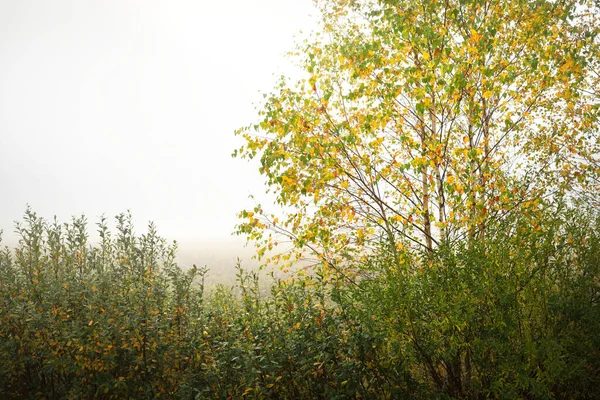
(421, 121)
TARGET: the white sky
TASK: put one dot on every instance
(131, 104)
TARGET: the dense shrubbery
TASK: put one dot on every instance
(516, 316)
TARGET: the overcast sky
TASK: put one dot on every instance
(121, 104)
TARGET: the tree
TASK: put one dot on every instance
(423, 121)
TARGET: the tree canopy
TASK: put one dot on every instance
(422, 122)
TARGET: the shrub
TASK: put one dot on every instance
(513, 316)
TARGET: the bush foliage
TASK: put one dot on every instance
(516, 316)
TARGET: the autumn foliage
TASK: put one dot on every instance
(421, 122)
(436, 177)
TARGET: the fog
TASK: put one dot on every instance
(115, 105)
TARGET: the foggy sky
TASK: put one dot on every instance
(120, 104)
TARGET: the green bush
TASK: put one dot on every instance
(516, 315)
(513, 316)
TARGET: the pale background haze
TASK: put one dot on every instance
(120, 104)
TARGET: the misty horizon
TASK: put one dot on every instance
(107, 107)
